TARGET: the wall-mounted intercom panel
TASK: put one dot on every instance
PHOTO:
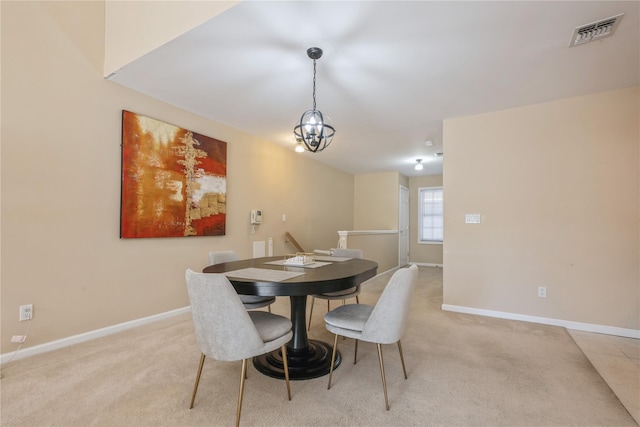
(256, 217)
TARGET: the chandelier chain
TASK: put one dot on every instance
(314, 84)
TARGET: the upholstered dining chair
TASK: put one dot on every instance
(339, 295)
(383, 323)
(250, 302)
(226, 331)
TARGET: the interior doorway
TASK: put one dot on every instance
(403, 227)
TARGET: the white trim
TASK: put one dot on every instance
(568, 324)
(343, 235)
(87, 336)
(361, 232)
(427, 264)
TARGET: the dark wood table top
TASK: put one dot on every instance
(336, 276)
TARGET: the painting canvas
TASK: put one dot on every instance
(174, 181)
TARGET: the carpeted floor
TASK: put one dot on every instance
(463, 370)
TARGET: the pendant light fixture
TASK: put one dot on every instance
(314, 130)
(418, 165)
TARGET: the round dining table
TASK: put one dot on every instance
(307, 358)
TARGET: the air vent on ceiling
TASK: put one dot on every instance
(595, 31)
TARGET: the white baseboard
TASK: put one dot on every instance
(87, 336)
(98, 333)
(578, 326)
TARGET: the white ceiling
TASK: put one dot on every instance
(391, 71)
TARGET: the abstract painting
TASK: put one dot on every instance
(174, 181)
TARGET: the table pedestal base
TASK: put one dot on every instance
(311, 362)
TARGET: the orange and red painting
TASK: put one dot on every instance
(174, 181)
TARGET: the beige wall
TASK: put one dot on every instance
(375, 206)
(421, 253)
(557, 186)
(381, 248)
(60, 244)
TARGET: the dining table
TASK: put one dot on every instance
(272, 276)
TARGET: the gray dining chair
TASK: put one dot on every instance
(250, 302)
(338, 295)
(226, 331)
(383, 323)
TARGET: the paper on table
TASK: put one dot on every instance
(262, 274)
(332, 258)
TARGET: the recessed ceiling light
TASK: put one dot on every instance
(428, 143)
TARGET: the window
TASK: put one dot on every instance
(430, 219)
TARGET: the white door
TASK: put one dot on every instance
(403, 227)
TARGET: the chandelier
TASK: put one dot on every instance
(314, 130)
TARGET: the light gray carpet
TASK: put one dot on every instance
(463, 370)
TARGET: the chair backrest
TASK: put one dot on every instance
(222, 256)
(223, 327)
(347, 253)
(388, 321)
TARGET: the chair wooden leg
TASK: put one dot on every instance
(333, 359)
(355, 354)
(384, 381)
(313, 299)
(402, 360)
(285, 362)
(241, 392)
(269, 307)
(195, 387)
(328, 306)
(357, 300)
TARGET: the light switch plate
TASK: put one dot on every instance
(472, 219)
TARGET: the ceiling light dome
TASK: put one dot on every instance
(419, 166)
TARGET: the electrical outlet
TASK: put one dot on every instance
(26, 312)
(542, 292)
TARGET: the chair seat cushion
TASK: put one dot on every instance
(351, 292)
(270, 326)
(351, 316)
(254, 299)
